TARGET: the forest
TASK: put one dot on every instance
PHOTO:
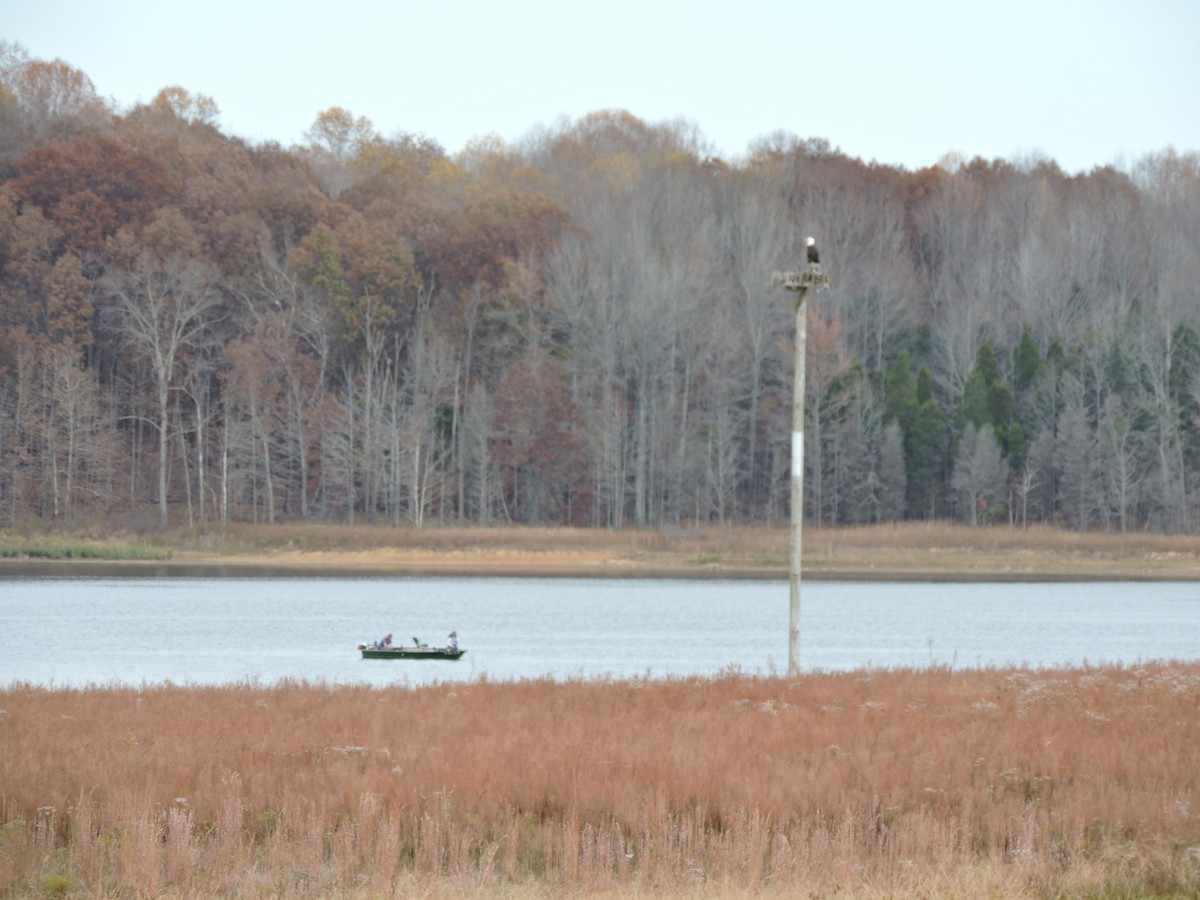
(577, 329)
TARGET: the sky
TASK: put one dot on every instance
(1083, 82)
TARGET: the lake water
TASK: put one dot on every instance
(76, 631)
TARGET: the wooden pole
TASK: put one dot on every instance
(797, 481)
(799, 284)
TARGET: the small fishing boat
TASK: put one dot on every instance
(416, 651)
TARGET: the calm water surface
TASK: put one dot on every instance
(79, 631)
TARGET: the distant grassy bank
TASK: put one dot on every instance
(999, 783)
(68, 547)
(937, 551)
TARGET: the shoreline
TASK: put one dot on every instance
(378, 563)
(898, 552)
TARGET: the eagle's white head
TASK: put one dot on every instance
(811, 241)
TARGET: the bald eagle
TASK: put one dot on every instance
(813, 256)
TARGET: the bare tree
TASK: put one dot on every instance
(1077, 459)
(979, 470)
(162, 308)
(757, 238)
(1026, 484)
(1122, 457)
(890, 497)
(78, 427)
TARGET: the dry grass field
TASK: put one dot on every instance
(931, 783)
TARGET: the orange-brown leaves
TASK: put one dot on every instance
(471, 245)
(92, 187)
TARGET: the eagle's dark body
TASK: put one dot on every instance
(813, 256)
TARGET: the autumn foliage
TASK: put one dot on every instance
(579, 329)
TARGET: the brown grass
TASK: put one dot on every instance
(1005, 783)
(934, 550)
(948, 550)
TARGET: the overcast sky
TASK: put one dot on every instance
(1085, 82)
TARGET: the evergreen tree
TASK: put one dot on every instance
(1027, 362)
(924, 385)
(974, 408)
(924, 449)
(1185, 388)
(988, 400)
(900, 393)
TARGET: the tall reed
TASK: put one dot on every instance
(893, 781)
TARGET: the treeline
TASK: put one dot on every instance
(579, 329)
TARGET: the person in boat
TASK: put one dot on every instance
(386, 642)
(452, 644)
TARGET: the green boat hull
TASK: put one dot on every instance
(411, 653)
